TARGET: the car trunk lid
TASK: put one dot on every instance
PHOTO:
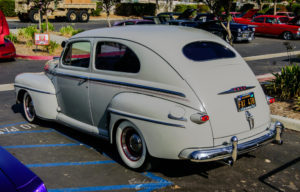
(218, 83)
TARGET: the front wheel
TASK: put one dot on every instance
(84, 16)
(287, 35)
(28, 107)
(132, 147)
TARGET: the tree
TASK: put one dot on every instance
(217, 7)
(44, 6)
(107, 6)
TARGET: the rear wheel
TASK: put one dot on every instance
(287, 35)
(34, 16)
(132, 147)
(28, 107)
(72, 16)
(84, 16)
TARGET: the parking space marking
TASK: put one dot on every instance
(145, 186)
(71, 163)
(268, 56)
(7, 87)
(42, 145)
(157, 183)
(32, 131)
(13, 124)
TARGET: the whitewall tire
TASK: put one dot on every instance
(28, 107)
(132, 147)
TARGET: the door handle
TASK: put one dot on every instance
(81, 81)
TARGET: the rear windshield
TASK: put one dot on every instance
(203, 51)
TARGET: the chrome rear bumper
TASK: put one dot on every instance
(231, 152)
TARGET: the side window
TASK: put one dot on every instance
(270, 20)
(116, 57)
(77, 54)
(259, 20)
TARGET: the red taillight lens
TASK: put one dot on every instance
(205, 118)
(270, 100)
(46, 67)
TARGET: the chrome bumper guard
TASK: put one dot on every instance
(230, 153)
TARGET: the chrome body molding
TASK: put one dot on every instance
(145, 119)
(237, 89)
(121, 83)
(170, 116)
(231, 152)
(31, 89)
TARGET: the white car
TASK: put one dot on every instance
(153, 91)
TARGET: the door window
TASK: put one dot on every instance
(259, 20)
(77, 54)
(116, 57)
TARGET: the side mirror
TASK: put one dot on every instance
(63, 44)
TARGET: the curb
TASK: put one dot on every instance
(292, 124)
(29, 57)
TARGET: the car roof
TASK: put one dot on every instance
(165, 40)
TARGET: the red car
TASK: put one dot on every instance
(7, 50)
(273, 25)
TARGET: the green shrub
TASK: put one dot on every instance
(12, 37)
(50, 27)
(98, 10)
(296, 8)
(297, 104)
(246, 7)
(135, 9)
(281, 7)
(179, 8)
(8, 8)
(287, 84)
(69, 30)
(203, 8)
(52, 46)
(28, 32)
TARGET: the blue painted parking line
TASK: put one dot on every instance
(150, 186)
(32, 131)
(71, 163)
(14, 124)
(155, 178)
(43, 145)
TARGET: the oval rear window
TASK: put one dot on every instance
(203, 51)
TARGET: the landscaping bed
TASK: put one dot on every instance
(284, 109)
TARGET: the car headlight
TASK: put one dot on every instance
(253, 29)
(298, 29)
(239, 30)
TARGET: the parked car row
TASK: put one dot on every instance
(243, 27)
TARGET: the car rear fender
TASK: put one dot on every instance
(163, 123)
(42, 91)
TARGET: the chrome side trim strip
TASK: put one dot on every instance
(123, 84)
(145, 119)
(35, 90)
(138, 86)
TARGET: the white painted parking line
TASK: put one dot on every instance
(7, 87)
(268, 56)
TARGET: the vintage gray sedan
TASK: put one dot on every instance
(184, 95)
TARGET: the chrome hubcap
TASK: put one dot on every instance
(36, 16)
(132, 144)
(84, 17)
(73, 16)
(287, 36)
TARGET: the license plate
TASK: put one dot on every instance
(245, 35)
(246, 101)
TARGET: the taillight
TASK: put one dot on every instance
(46, 67)
(199, 118)
(270, 100)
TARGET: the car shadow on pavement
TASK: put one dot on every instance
(264, 177)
